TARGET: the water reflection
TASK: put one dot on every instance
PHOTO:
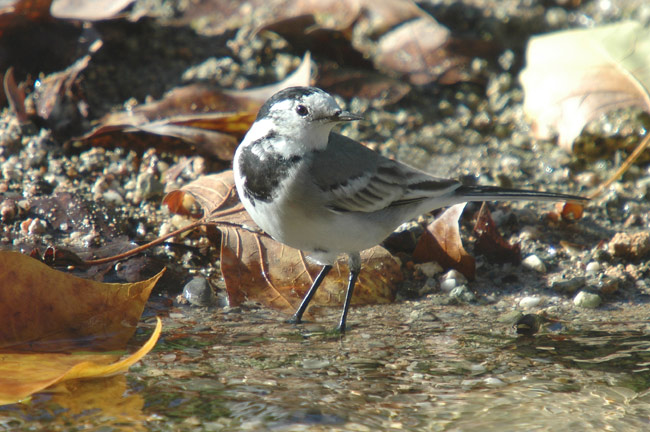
(454, 374)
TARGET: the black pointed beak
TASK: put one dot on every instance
(344, 116)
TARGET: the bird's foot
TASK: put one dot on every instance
(294, 320)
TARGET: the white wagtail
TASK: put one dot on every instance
(326, 194)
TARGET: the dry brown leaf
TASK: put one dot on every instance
(44, 309)
(210, 120)
(575, 76)
(88, 10)
(23, 374)
(418, 49)
(375, 87)
(441, 243)
(57, 99)
(489, 241)
(15, 96)
(14, 13)
(256, 267)
(397, 35)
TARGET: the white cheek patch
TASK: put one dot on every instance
(259, 129)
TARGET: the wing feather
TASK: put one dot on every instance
(354, 178)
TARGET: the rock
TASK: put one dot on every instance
(605, 285)
(493, 382)
(315, 363)
(113, 197)
(632, 246)
(462, 294)
(568, 286)
(451, 280)
(510, 317)
(529, 302)
(587, 300)
(454, 274)
(534, 262)
(593, 268)
(147, 185)
(199, 292)
(448, 285)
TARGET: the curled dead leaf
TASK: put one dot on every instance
(441, 243)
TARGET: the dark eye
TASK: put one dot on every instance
(302, 110)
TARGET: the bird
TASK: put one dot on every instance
(327, 195)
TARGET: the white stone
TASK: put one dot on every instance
(592, 268)
(530, 302)
(454, 274)
(587, 300)
(448, 284)
(534, 262)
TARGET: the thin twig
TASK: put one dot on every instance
(624, 166)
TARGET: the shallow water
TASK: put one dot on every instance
(451, 368)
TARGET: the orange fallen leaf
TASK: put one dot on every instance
(489, 241)
(256, 267)
(441, 243)
(42, 309)
(23, 374)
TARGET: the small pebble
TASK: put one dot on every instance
(587, 300)
(448, 285)
(37, 226)
(315, 363)
(534, 262)
(632, 246)
(592, 268)
(199, 292)
(147, 185)
(493, 382)
(605, 285)
(462, 294)
(113, 197)
(568, 286)
(454, 274)
(530, 302)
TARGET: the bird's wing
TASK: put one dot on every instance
(357, 179)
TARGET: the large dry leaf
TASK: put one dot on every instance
(42, 309)
(207, 120)
(441, 243)
(24, 374)
(256, 267)
(573, 77)
(88, 10)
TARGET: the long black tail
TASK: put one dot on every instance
(495, 193)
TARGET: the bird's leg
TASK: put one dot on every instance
(355, 268)
(297, 317)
